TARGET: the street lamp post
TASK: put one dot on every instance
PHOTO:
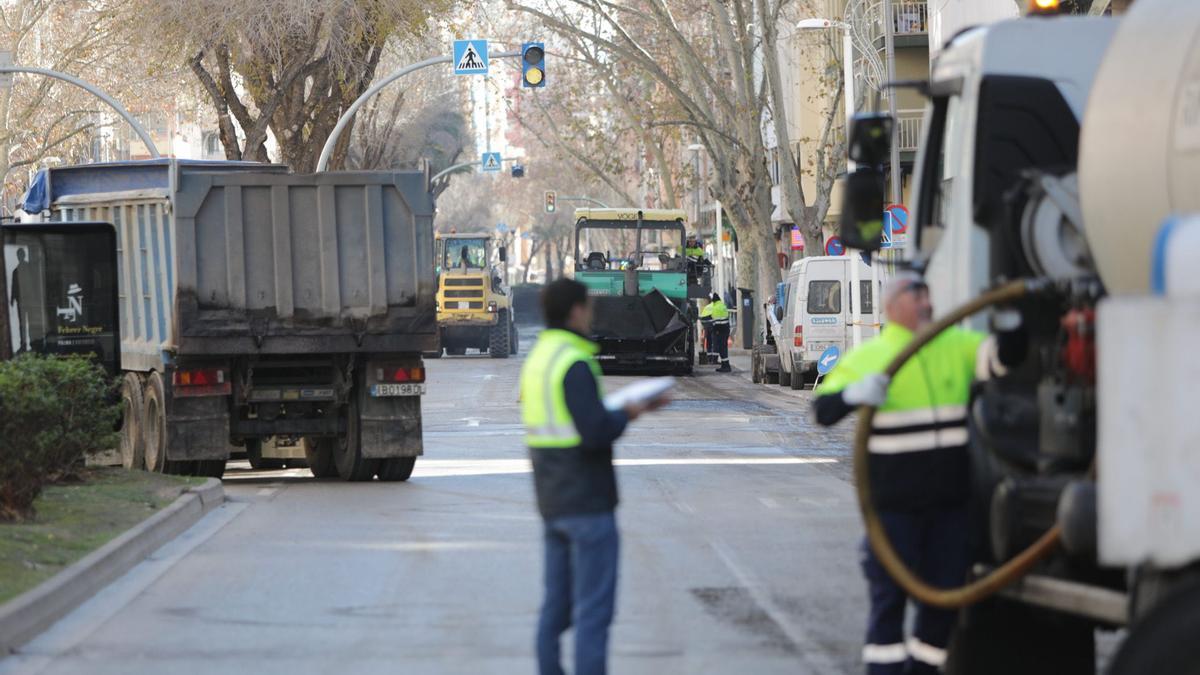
(848, 104)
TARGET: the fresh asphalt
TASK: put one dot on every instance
(739, 552)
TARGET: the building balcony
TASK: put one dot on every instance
(908, 129)
(910, 23)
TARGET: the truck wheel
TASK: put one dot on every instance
(209, 468)
(772, 378)
(785, 378)
(1165, 640)
(396, 468)
(154, 426)
(514, 340)
(347, 450)
(756, 362)
(133, 443)
(318, 452)
(498, 339)
(254, 454)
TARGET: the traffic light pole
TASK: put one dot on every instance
(344, 120)
(597, 202)
(458, 167)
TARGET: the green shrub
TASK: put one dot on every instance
(53, 413)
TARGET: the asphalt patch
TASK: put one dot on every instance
(735, 606)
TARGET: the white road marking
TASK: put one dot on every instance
(768, 502)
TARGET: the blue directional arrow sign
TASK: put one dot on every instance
(828, 360)
(470, 57)
(490, 162)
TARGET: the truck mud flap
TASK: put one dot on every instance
(198, 428)
(391, 427)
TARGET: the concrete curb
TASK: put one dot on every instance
(28, 614)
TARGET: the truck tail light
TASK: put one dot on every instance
(193, 382)
(799, 339)
(399, 374)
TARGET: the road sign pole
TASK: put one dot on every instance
(459, 167)
(344, 120)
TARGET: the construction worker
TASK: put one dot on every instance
(918, 464)
(570, 435)
(720, 331)
(709, 355)
(694, 248)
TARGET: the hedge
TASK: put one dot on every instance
(53, 413)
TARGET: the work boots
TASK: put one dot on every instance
(725, 368)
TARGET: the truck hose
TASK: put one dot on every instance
(948, 598)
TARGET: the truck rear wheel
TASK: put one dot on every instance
(347, 452)
(209, 468)
(133, 442)
(396, 468)
(499, 340)
(785, 378)
(154, 425)
(318, 452)
(514, 341)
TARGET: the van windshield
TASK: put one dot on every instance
(824, 297)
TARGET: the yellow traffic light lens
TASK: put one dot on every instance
(534, 76)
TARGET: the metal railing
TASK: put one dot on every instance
(908, 129)
(910, 17)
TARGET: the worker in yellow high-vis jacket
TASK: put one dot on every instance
(918, 463)
(570, 435)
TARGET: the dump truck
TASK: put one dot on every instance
(1057, 184)
(644, 313)
(474, 301)
(253, 304)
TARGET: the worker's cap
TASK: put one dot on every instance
(902, 283)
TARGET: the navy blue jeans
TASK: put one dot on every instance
(581, 590)
(934, 545)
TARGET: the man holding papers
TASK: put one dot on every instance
(570, 434)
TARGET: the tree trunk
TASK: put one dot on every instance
(549, 261)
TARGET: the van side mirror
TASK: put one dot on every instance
(778, 313)
(503, 254)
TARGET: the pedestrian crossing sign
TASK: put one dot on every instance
(490, 162)
(470, 57)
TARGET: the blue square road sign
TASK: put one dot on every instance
(489, 162)
(470, 57)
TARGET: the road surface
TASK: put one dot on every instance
(738, 553)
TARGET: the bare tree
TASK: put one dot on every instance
(288, 67)
(706, 64)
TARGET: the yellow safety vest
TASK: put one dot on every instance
(720, 313)
(933, 388)
(548, 421)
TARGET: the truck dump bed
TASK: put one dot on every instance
(235, 258)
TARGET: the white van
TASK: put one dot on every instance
(816, 314)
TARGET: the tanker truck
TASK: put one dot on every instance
(1054, 188)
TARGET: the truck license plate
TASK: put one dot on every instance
(464, 305)
(379, 390)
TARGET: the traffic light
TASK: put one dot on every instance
(550, 199)
(533, 64)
